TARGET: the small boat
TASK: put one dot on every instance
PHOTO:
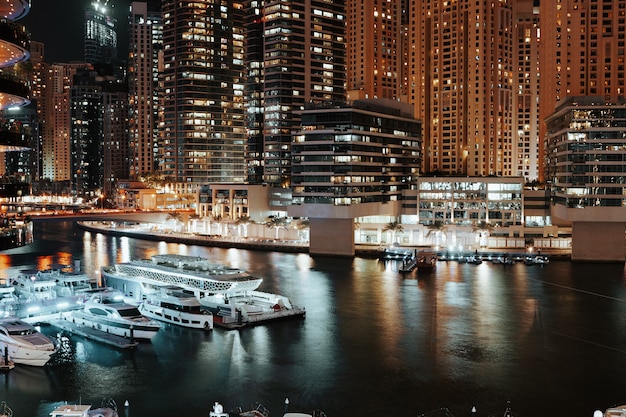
(108, 409)
(172, 305)
(260, 411)
(445, 412)
(106, 311)
(536, 260)
(476, 260)
(24, 344)
(426, 261)
(396, 254)
(5, 411)
(615, 411)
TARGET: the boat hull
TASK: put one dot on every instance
(166, 315)
(22, 355)
(115, 327)
(230, 308)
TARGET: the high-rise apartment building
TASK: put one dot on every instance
(303, 49)
(526, 151)
(253, 99)
(100, 35)
(460, 78)
(145, 44)
(374, 49)
(203, 80)
(582, 52)
(86, 134)
(55, 146)
(115, 149)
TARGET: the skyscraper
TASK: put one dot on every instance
(86, 134)
(56, 163)
(374, 43)
(527, 159)
(203, 80)
(100, 34)
(303, 49)
(145, 44)
(460, 77)
(582, 52)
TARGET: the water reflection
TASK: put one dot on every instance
(374, 341)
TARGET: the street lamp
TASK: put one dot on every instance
(101, 201)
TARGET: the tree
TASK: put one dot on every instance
(244, 221)
(393, 227)
(153, 179)
(482, 229)
(436, 228)
(277, 223)
(303, 225)
(174, 217)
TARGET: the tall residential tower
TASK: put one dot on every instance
(203, 79)
(145, 45)
(460, 78)
(303, 49)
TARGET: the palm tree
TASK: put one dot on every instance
(153, 179)
(303, 226)
(393, 227)
(436, 228)
(277, 223)
(483, 229)
(244, 221)
(174, 217)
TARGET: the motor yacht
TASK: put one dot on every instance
(172, 305)
(228, 293)
(24, 344)
(106, 311)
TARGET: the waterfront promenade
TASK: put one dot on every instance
(280, 245)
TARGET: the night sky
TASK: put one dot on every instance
(59, 25)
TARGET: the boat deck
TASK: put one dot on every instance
(93, 334)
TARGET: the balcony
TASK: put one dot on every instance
(14, 44)
(14, 141)
(13, 92)
(14, 9)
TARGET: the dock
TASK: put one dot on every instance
(408, 265)
(94, 334)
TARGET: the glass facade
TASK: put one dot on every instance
(204, 135)
(469, 202)
(303, 62)
(587, 154)
(363, 154)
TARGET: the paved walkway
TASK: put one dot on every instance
(369, 251)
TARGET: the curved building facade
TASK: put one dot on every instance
(14, 92)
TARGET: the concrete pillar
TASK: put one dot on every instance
(333, 237)
(598, 242)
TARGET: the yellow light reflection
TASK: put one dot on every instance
(5, 264)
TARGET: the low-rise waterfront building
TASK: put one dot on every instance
(352, 162)
(586, 149)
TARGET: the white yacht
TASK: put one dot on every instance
(8, 301)
(32, 285)
(25, 344)
(172, 305)
(106, 311)
(85, 410)
(69, 283)
(229, 293)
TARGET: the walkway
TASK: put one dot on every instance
(366, 251)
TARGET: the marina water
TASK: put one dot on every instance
(550, 339)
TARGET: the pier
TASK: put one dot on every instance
(94, 334)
